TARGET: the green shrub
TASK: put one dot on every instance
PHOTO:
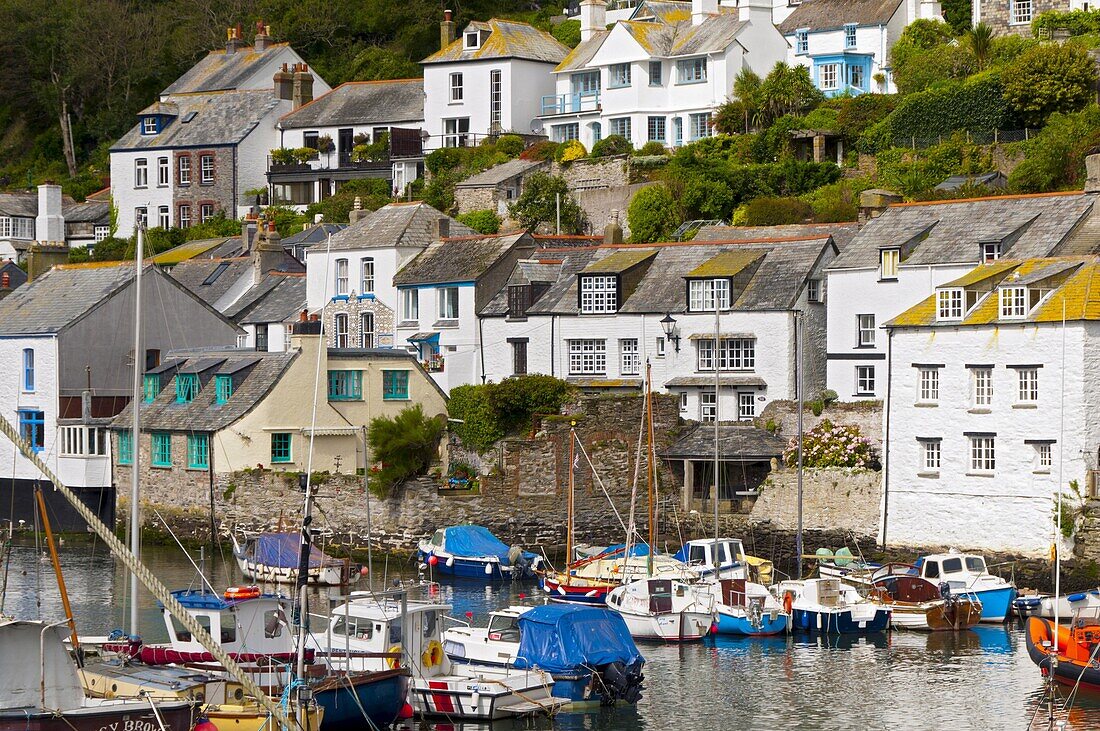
(1077, 22)
(829, 445)
(477, 424)
(651, 215)
(283, 156)
(957, 15)
(612, 145)
(541, 151)
(372, 151)
(838, 202)
(372, 193)
(510, 145)
(1049, 78)
(976, 105)
(305, 154)
(570, 151)
(821, 118)
(652, 148)
(402, 447)
(1055, 157)
(538, 204)
(768, 211)
(707, 198)
(858, 113)
(444, 159)
(483, 221)
(491, 411)
(568, 32)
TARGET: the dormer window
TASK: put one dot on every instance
(473, 39)
(1013, 301)
(949, 304)
(599, 294)
(889, 258)
(991, 251)
(705, 294)
(149, 125)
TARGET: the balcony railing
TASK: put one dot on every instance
(585, 101)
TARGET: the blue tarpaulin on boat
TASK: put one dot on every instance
(474, 541)
(560, 638)
(281, 550)
(619, 549)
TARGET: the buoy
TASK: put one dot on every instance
(406, 712)
(433, 560)
(788, 602)
(394, 662)
(242, 592)
(204, 724)
(450, 562)
(522, 596)
(470, 616)
(433, 589)
(433, 655)
(363, 571)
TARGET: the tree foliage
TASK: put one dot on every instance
(1055, 157)
(652, 215)
(402, 447)
(483, 221)
(486, 413)
(538, 204)
(1049, 78)
(612, 145)
(767, 211)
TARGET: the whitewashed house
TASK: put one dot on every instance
(659, 75)
(900, 257)
(440, 294)
(487, 81)
(595, 315)
(47, 215)
(350, 279)
(979, 438)
(197, 150)
(846, 43)
(386, 114)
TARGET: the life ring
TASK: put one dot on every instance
(788, 601)
(394, 662)
(242, 592)
(433, 655)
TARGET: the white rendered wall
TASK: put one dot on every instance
(127, 197)
(252, 153)
(523, 84)
(876, 40)
(321, 273)
(458, 345)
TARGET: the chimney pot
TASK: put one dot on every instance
(446, 30)
(613, 232)
(1092, 170)
(5, 280)
(303, 316)
(441, 229)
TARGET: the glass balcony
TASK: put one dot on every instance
(585, 101)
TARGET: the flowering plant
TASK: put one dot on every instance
(830, 445)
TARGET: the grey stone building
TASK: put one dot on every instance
(1015, 16)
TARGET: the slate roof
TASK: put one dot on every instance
(61, 296)
(202, 414)
(189, 250)
(818, 15)
(842, 233)
(220, 71)
(221, 118)
(396, 225)
(26, 205)
(507, 39)
(667, 11)
(457, 259)
(1079, 290)
(19, 204)
(498, 174)
(735, 442)
(87, 212)
(281, 303)
(1030, 226)
(533, 270)
(579, 57)
(360, 103)
(995, 179)
(314, 234)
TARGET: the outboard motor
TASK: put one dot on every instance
(621, 683)
(519, 562)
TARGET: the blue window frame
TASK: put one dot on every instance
(395, 385)
(801, 41)
(187, 387)
(198, 452)
(280, 447)
(28, 369)
(223, 388)
(125, 447)
(850, 35)
(162, 449)
(150, 387)
(620, 76)
(32, 428)
(345, 385)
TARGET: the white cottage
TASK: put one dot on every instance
(979, 435)
(659, 75)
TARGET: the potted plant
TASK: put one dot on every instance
(325, 144)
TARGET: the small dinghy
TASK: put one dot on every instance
(473, 552)
(917, 603)
(273, 558)
(828, 607)
(1075, 660)
(664, 609)
(1042, 605)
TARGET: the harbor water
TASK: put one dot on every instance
(980, 679)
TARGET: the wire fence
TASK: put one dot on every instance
(991, 137)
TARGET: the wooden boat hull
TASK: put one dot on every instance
(1073, 665)
(130, 715)
(379, 696)
(252, 718)
(938, 616)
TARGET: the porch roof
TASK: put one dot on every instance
(740, 443)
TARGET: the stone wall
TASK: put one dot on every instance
(592, 173)
(354, 307)
(997, 15)
(599, 204)
(867, 415)
(832, 499)
(475, 199)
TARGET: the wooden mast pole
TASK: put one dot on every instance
(569, 502)
(649, 467)
(57, 569)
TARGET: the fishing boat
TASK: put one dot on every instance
(1042, 605)
(665, 609)
(473, 552)
(966, 573)
(827, 606)
(40, 689)
(373, 632)
(730, 561)
(587, 650)
(748, 608)
(917, 603)
(273, 558)
(1066, 653)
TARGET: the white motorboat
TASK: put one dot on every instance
(827, 606)
(665, 609)
(273, 558)
(370, 632)
(966, 573)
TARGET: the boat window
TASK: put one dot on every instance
(395, 630)
(430, 620)
(273, 623)
(931, 570)
(505, 629)
(697, 554)
(183, 634)
(952, 565)
(229, 627)
(437, 539)
(975, 564)
(353, 627)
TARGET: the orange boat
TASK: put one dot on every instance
(1077, 654)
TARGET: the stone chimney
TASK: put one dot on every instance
(305, 336)
(613, 231)
(357, 211)
(441, 228)
(263, 37)
(5, 285)
(248, 233)
(303, 86)
(757, 12)
(1092, 174)
(284, 83)
(267, 254)
(233, 41)
(873, 202)
(593, 17)
(446, 30)
(702, 9)
(50, 223)
(930, 10)
(43, 256)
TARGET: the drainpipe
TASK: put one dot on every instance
(886, 435)
(552, 319)
(481, 344)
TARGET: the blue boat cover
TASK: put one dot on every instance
(560, 638)
(281, 550)
(473, 541)
(638, 549)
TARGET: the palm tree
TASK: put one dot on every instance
(746, 89)
(980, 40)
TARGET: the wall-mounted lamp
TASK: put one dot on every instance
(668, 324)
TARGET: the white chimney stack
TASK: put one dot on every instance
(593, 18)
(757, 12)
(50, 223)
(702, 9)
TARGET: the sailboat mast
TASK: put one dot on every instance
(569, 502)
(57, 571)
(1058, 498)
(798, 386)
(135, 435)
(717, 399)
(649, 476)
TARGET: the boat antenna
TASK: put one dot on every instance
(1058, 498)
(799, 320)
(135, 435)
(717, 400)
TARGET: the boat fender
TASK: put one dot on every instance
(433, 655)
(450, 562)
(489, 569)
(394, 662)
(788, 601)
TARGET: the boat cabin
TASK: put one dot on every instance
(959, 570)
(731, 556)
(821, 592)
(366, 625)
(254, 624)
(901, 583)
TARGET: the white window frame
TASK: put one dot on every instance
(802, 42)
(991, 251)
(1044, 458)
(206, 169)
(659, 346)
(928, 385)
(366, 334)
(691, 70)
(587, 356)
(702, 294)
(164, 217)
(206, 212)
(148, 125)
(683, 401)
(746, 405)
(183, 169)
(340, 330)
(983, 453)
(101, 232)
(141, 173)
(630, 360)
(1021, 12)
(366, 276)
(472, 39)
(889, 261)
(456, 87)
(184, 212)
(164, 172)
(453, 133)
(141, 216)
(83, 441)
(599, 294)
(734, 354)
(813, 290)
(865, 331)
(708, 406)
(1027, 386)
(448, 303)
(496, 97)
(931, 455)
(981, 392)
(830, 76)
(1013, 302)
(850, 35)
(949, 304)
(410, 305)
(865, 380)
(340, 277)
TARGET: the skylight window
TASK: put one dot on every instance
(218, 270)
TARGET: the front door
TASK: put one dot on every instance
(345, 140)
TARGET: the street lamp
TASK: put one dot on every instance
(668, 324)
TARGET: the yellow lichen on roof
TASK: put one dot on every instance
(620, 261)
(183, 252)
(983, 272)
(1081, 294)
(922, 314)
(726, 264)
(94, 265)
(643, 33)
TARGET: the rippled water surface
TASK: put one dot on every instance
(981, 679)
